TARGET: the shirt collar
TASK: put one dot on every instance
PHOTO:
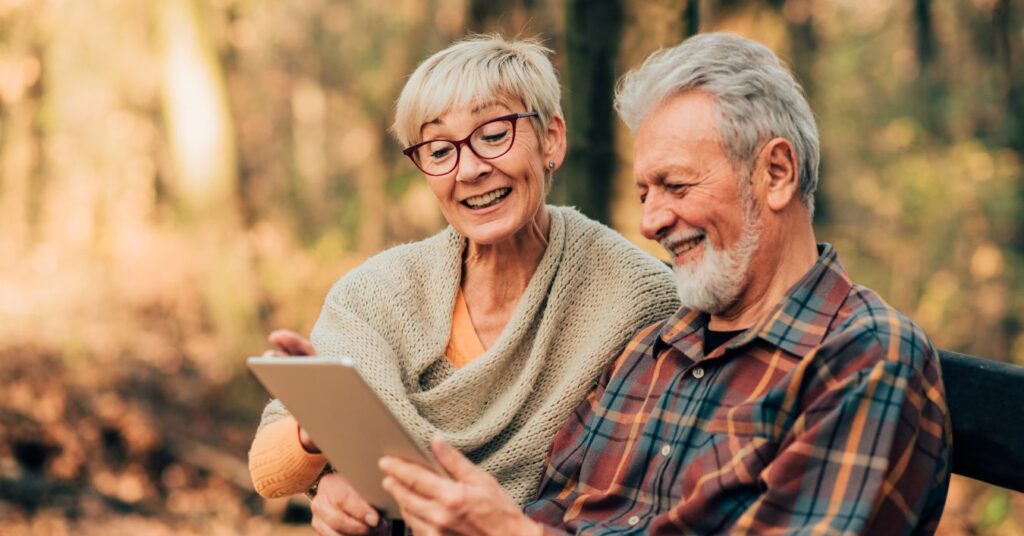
(797, 324)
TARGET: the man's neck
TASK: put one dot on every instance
(776, 267)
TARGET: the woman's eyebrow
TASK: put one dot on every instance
(476, 110)
(490, 104)
(433, 122)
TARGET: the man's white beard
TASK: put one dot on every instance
(714, 283)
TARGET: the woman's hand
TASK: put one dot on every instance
(288, 343)
(338, 509)
(471, 502)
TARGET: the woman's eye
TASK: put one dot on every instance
(440, 153)
(495, 137)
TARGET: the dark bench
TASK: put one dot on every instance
(986, 404)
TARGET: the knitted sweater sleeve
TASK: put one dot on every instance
(278, 464)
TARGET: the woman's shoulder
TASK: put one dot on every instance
(403, 265)
(602, 244)
(615, 275)
(413, 254)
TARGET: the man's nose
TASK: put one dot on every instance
(656, 218)
(471, 167)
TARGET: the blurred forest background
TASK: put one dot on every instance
(179, 177)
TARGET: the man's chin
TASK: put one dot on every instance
(703, 291)
(695, 295)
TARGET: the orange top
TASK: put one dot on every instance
(464, 345)
(278, 464)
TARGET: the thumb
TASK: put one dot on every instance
(452, 461)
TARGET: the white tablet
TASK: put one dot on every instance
(343, 415)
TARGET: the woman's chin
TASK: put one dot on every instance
(495, 231)
(488, 234)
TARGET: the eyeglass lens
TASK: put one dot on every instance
(489, 140)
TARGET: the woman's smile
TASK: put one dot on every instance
(488, 199)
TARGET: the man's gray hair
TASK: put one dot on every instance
(757, 98)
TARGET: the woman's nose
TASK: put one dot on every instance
(471, 167)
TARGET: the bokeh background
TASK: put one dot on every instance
(179, 177)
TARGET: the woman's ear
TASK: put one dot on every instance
(778, 167)
(554, 142)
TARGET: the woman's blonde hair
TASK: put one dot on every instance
(476, 71)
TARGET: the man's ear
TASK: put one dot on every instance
(554, 142)
(779, 170)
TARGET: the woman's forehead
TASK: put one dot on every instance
(478, 111)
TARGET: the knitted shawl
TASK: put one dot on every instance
(392, 315)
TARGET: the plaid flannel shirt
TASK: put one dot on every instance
(827, 417)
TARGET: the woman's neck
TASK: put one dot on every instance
(494, 276)
(510, 262)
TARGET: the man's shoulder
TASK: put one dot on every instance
(869, 323)
(638, 347)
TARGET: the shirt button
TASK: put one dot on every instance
(633, 520)
(666, 450)
(698, 372)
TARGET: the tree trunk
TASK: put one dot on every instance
(691, 18)
(803, 49)
(507, 17)
(196, 113)
(931, 85)
(1006, 24)
(592, 44)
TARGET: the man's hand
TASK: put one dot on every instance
(338, 509)
(471, 502)
(288, 343)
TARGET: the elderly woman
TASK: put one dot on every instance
(492, 331)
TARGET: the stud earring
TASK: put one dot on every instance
(551, 164)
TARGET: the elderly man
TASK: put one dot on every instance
(780, 398)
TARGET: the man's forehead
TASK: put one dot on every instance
(687, 115)
(674, 149)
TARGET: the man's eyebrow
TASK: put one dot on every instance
(658, 175)
(679, 169)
